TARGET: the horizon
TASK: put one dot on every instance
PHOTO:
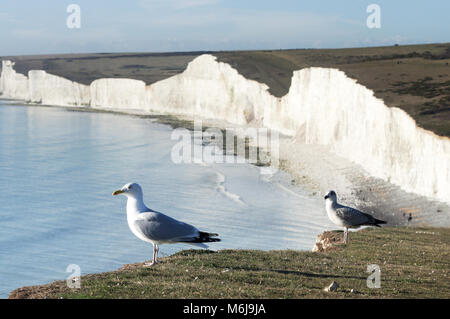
(50, 27)
(223, 51)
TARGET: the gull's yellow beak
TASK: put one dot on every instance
(117, 192)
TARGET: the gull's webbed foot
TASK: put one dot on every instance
(150, 264)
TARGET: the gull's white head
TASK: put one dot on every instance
(331, 196)
(130, 190)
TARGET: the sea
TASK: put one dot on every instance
(59, 168)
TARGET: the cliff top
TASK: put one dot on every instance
(415, 78)
(412, 263)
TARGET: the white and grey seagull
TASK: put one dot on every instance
(347, 217)
(155, 227)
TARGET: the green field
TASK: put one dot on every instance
(414, 263)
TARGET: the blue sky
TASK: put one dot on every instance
(39, 27)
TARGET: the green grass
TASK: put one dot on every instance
(424, 87)
(414, 262)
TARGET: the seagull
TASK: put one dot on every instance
(347, 217)
(155, 227)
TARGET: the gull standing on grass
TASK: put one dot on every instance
(156, 228)
(347, 217)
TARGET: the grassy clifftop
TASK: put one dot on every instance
(414, 263)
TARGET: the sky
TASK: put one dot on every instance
(40, 27)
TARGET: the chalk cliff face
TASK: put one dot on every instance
(326, 107)
(13, 85)
(54, 90)
(323, 107)
(120, 94)
(209, 89)
(41, 87)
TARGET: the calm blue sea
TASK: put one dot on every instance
(58, 169)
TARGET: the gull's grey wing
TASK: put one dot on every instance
(353, 217)
(159, 227)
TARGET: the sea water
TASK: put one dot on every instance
(58, 169)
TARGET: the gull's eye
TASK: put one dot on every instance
(130, 187)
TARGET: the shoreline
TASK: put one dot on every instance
(301, 160)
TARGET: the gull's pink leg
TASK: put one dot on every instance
(154, 256)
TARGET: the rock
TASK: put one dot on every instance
(328, 240)
(332, 287)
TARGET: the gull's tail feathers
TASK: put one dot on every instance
(372, 221)
(377, 222)
(206, 237)
(203, 237)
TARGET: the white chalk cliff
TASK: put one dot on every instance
(50, 89)
(323, 106)
(331, 109)
(209, 89)
(118, 94)
(41, 87)
(12, 84)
